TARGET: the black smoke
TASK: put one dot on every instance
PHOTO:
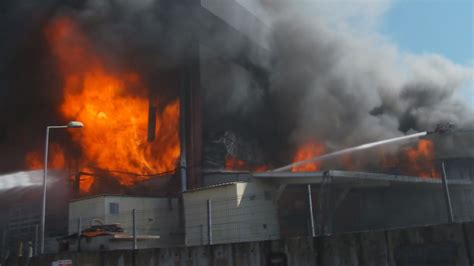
(321, 79)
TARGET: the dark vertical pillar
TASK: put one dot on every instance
(183, 115)
(151, 121)
(467, 243)
(209, 222)
(191, 81)
(77, 185)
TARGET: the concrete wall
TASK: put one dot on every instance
(434, 245)
(240, 212)
(109, 243)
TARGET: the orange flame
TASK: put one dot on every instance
(308, 151)
(113, 107)
(262, 168)
(86, 181)
(233, 163)
(56, 160)
(236, 164)
(85, 184)
(420, 159)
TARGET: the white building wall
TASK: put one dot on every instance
(154, 216)
(240, 212)
(257, 213)
(195, 210)
(87, 210)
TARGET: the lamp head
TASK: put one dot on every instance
(75, 124)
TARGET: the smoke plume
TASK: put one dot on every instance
(343, 84)
(327, 75)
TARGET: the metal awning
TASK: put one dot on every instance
(351, 178)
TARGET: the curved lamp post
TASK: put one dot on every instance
(72, 124)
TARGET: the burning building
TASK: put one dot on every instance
(180, 95)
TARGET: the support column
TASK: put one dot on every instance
(183, 162)
(310, 204)
(209, 222)
(134, 224)
(447, 195)
(191, 80)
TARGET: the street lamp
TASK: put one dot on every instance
(72, 124)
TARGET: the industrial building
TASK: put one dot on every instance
(203, 204)
(246, 207)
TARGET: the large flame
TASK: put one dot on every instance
(418, 160)
(113, 107)
(421, 159)
(307, 151)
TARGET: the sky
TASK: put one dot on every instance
(444, 27)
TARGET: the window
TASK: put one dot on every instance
(113, 208)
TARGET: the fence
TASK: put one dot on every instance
(330, 207)
(228, 214)
(142, 228)
(231, 219)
